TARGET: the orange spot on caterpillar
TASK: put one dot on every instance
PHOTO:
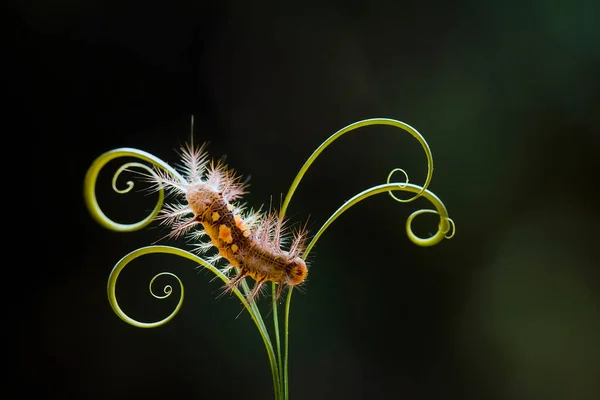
(239, 222)
(234, 247)
(215, 216)
(225, 233)
(246, 233)
(229, 207)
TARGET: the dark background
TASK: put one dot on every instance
(506, 94)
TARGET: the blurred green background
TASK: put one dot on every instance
(507, 96)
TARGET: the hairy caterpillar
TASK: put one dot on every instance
(250, 240)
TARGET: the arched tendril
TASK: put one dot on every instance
(351, 127)
(89, 186)
(444, 226)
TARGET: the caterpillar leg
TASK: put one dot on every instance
(233, 283)
(236, 280)
(256, 289)
(279, 290)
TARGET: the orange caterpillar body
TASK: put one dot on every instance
(250, 241)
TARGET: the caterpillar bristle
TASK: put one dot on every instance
(171, 214)
(220, 177)
(180, 228)
(214, 259)
(202, 247)
(194, 160)
(197, 236)
(172, 185)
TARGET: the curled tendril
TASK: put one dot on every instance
(351, 127)
(389, 179)
(452, 227)
(114, 275)
(89, 186)
(112, 297)
(130, 184)
(251, 307)
(440, 209)
(168, 289)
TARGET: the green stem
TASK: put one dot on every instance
(275, 371)
(277, 339)
(286, 341)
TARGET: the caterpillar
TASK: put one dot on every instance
(251, 242)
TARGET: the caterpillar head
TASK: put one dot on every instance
(296, 271)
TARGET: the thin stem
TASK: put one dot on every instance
(277, 340)
(275, 371)
(285, 346)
